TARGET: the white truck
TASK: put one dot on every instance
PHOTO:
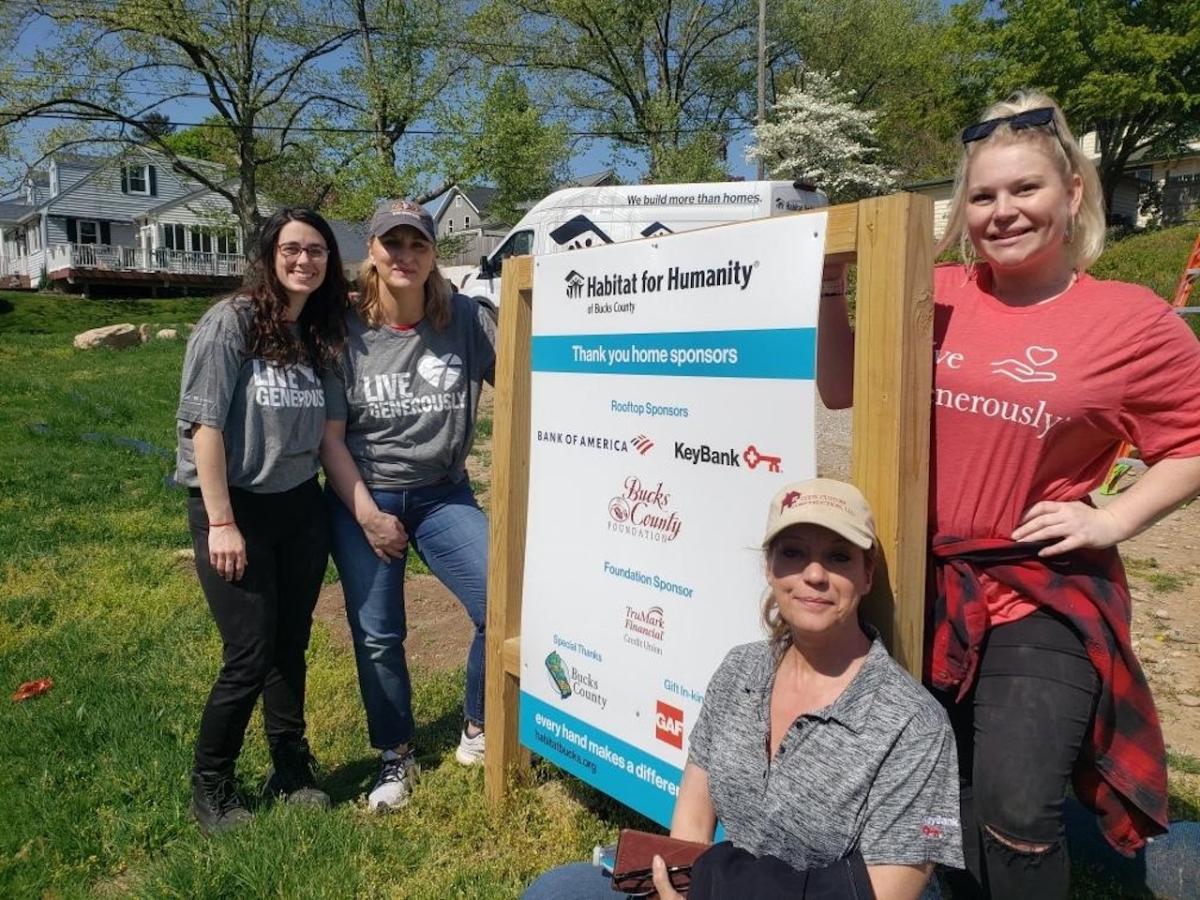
(587, 217)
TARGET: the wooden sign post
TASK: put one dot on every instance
(891, 239)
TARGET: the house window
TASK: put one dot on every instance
(450, 227)
(35, 237)
(173, 237)
(137, 180)
(202, 240)
(89, 231)
(226, 242)
(457, 202)
(467, 222)
(1144, 174)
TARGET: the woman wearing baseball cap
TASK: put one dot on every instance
(814, 746)
(395, 452)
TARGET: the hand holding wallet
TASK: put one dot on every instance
(632, 873)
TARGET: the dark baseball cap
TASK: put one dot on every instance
(391, 213)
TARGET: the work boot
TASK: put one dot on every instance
(292, 777)
(216, 803)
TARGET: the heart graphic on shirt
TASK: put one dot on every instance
(442, 372)
(1041, 356)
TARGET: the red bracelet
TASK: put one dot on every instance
(221, 524)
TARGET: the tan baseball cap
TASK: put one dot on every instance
(835, 505)
(392, 213)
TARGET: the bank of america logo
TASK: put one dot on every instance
(574, 284)
(642, 444)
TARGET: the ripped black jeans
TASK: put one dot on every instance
(1019, 733)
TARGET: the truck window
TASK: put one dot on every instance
(518, 244)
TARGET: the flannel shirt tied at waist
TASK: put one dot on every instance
(1121, 772)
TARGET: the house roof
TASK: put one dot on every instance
(40, 179)
(12, 213)
(595, 179)
(83, 160)
(352, 240)
(179, 201)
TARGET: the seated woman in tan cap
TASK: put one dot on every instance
(813, 748)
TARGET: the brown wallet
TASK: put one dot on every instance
(632, 873)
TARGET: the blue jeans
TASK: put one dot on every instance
(574, 881)
(450, 532)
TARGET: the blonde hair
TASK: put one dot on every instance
(779, 633)
(438, 293)
(1085, 233)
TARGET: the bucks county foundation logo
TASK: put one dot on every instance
(574, 285)
(644, 512)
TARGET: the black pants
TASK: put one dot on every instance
(265, 619)
(1019, 734)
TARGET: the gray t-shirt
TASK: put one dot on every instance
(271, 417)
(410, 396)
(876, 770)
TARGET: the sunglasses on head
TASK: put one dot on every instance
(1032, 118)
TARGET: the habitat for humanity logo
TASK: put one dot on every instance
(644, 512)
(735, 272)
(570, 681)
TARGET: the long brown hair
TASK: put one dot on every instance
(438, 293)
(322, 321)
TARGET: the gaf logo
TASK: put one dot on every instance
(668, 725)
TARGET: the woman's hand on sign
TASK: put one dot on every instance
(662, 880)
(1072, 525)
(385, 534)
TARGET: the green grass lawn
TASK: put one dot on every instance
(94, 775)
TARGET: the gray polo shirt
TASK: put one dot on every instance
(876, 770)
(271, 417)
(409, 397)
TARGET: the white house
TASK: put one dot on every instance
(129, 218)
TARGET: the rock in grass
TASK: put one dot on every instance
(117, 337)
(167, 334)
(144, 332)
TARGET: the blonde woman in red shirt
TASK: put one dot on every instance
(1035, 389)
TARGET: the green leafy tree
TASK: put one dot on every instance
(1127, 69)
(105, 66)
(667, 79)
(504, 140)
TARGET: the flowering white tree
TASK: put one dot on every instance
(817, 134)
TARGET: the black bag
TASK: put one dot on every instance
(724, 872)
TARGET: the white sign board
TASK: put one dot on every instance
(672, 396)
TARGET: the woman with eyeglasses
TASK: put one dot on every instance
(1041, 372)
(250, 421)
(831, 770)
(395, 451)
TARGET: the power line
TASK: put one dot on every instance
(12, 117)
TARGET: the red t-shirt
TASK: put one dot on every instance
(1032, 403)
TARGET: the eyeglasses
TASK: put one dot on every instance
(315, 252)
(640, 882)
(1031, 118)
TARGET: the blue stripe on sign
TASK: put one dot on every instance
(757, 353)
(620, 770)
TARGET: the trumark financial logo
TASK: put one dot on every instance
(668, 724)
(644, 628)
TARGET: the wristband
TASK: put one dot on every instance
(221, 524)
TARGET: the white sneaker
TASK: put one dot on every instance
(393, 787)
(470, 749)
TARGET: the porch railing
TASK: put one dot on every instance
(114, 257)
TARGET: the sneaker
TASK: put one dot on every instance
(393, 787)
(470, 749)
(292, 777)
(216, 804)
